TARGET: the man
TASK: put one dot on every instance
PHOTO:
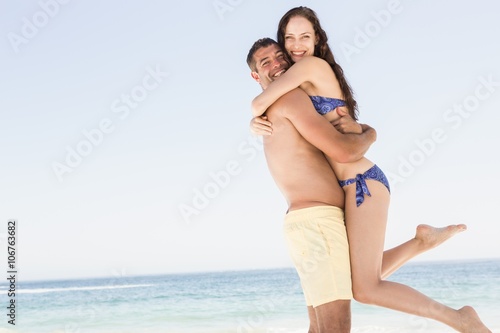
(314, 225)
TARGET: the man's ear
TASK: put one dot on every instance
(255, 76)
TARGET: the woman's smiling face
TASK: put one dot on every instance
(300, 38)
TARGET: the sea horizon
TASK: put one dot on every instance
(188, 272)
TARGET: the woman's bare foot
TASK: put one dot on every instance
(470, 322)
(431, 237)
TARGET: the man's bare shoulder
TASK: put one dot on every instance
(289, 101)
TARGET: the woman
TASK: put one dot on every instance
(366, 187)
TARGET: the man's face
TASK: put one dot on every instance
(270, 63)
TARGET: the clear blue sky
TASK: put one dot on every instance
(124, 129)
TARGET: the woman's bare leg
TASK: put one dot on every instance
(427, 237)
(366, 227)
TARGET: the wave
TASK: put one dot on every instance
(52, 290)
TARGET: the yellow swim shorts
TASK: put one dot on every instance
(317, 242)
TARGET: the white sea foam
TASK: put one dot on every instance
(52, 290)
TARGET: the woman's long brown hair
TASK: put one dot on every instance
(321, 50)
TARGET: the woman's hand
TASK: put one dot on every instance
(261, 126)
(345, 124)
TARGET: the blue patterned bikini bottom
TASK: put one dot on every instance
(361, 188)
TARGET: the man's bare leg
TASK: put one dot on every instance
(313, 321)
(332, 317)
(427, 237)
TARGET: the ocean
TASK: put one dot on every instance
(258, 301)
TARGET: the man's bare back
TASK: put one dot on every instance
(300, 170)
(295, 152)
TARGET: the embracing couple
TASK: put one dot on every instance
(315, 152)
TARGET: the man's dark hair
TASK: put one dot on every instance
(263, 42)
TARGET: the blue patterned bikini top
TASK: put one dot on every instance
(326, 104)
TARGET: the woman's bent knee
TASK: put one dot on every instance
(364, 295)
